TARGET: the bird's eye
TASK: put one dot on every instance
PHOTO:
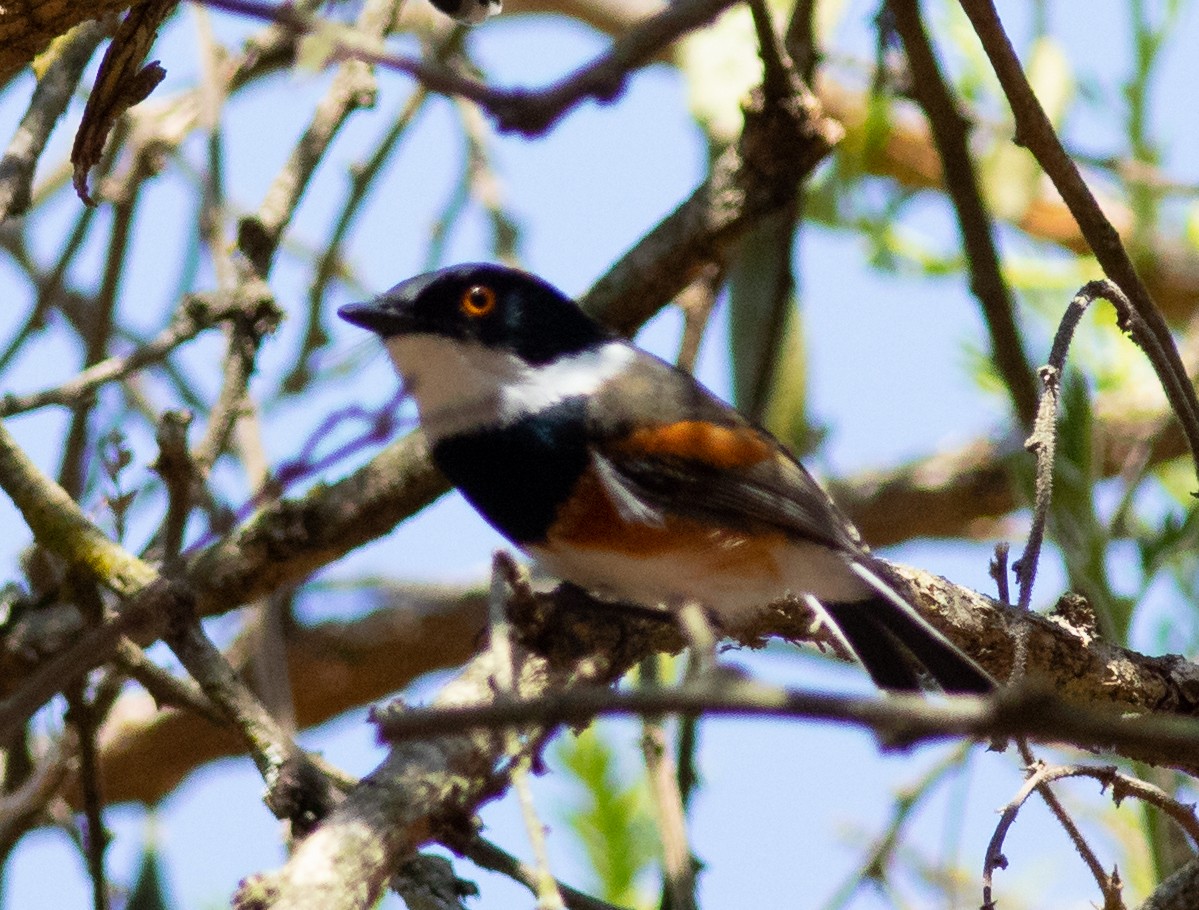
(478, 300)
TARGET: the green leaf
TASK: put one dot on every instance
(1081, 536)
(149, 888)
(1052, 78)
(612, 818)
(720, 65)
(1009, 175)
(1191, 229)
(766, 334)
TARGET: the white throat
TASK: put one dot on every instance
(461, 386)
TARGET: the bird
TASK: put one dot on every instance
(620, 473)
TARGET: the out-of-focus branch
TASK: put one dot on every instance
(968, 491)
(1177, 892)
(50, 99)
(26, 29)
(257, 317)
(193, 317)
(296, 790)
(527, 111)
(353, 87)
(342, 665)
(950, 134)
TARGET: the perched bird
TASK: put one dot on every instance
(622, 474)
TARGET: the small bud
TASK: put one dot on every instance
(470, 12)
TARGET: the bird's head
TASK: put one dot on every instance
(480, 339)
(484, 305)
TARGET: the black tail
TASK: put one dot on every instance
(890, 640)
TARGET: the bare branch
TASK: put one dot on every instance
(899, 722)
(428, 786)
(522, 110)
(353, 87)
(1036, 133)
(296, 789)
(196, 315)
(50, 99)
(355, 663)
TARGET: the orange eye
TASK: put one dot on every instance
(478, 300)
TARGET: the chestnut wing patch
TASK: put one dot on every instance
(733, 476)
(700, 441)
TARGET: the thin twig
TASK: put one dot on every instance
(81, 715)
(296, 790)
(212, 94)
(1122, 785)
(670, 813)
(166, 689)
(330, 262)
(58, 523)
(353, 87)
(174, 466)
(873, 868)
(898, 721)
(487, 855)
(258, 317)
(697, 301)
(20, 807)
(998, 570)
(1036, 133)
(195, 316)
(777, 68)
(98, 330)
(484, 186)
(94, 647)
(505, 572)
(50, 99)
(49, 286)
(530, 112)
(1108, 885)
(1042, 442)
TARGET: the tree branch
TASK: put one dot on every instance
(1036, 133)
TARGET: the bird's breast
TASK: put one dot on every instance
(518, 475)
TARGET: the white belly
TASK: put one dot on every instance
(715, 577)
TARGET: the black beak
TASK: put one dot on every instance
(391, 313)
(373, 315)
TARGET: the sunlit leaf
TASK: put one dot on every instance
(611, 818)
(721, 66)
